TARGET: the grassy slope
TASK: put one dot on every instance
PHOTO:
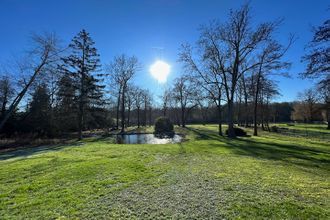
(271, 176)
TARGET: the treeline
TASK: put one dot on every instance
(67, 90)
(228, 78)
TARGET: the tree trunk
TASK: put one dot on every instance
(20, 96)
(3, 108)
(220, 120)
(80, 121)
(145, 113)
(255, 112)
(328, 116)
(246, 115)
(183, 117)
(231, 132)
(255, 115)
(123, 110)
(128, 116)
(81, 107)
(262, 112)
(138, 116)
(239, 117)
(117, 108)
(150, 111)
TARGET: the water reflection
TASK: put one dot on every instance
(146, 139)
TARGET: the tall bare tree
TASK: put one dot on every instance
(147, 106)
(204, 69)
(44, 53)
(165, 97)
(318, 62)
(122, 69)
(138, 101)
(184, 93)
(268, 62)
(232, 47)
(307, 106)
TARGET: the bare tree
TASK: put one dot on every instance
(307, 106)
(44, 53)
(147, 104)
(232, 47)
(205, 71)
(318, 62)
(269, 60)
(184, 93)
(138, 99)
(122, 69)
(268, 90)
(129, 102)
(165, 97)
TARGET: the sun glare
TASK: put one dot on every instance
(160, 71)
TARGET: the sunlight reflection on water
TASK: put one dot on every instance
(146, 139)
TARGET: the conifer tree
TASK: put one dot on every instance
(80, 66)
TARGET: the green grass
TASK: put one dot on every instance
(271, 176)
(305, 127)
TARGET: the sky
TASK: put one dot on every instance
(137, 27)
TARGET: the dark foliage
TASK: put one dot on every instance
(163, 126)
(79, 66)
(238, 132)
(274, 129)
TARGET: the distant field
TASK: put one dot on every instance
(305, 127)
(206, 177)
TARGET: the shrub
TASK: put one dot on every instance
(238, 132)
(274, 129)
(163, 126)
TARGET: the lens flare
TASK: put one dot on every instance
(160, 71)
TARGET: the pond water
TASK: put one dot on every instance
(146, 139)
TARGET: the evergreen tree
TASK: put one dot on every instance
(38, 117)
(67, 106)
(80, 66)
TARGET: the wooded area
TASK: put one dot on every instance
(228, 77)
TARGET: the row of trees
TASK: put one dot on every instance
(228, 72)
(310, 106)
(67, 89)
(229, 55)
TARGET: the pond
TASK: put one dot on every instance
(146, 139)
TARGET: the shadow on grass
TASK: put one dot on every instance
(204, 134)
(26, 152)
(292, 152)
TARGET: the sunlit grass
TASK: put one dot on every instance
(207, 176)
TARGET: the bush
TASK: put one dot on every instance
(163, 126)
(274, 129)
(238, 132)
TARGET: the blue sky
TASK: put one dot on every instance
(135, 27)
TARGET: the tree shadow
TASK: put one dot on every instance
(27, 152)
(204, 134)
(287, 152)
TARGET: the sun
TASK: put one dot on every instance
(160, 71)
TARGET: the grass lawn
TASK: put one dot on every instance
(305, 127)
(207, 176)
